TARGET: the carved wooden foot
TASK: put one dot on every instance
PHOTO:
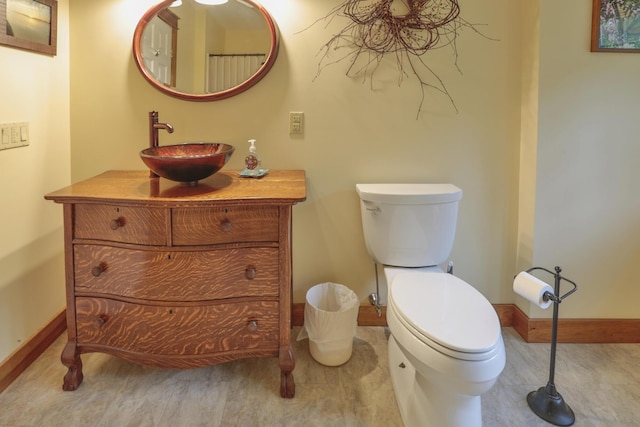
(287, 385)
(71, 359)
(287, 363)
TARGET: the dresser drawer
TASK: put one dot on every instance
(178, 330)
(145, 226)
(206, 226)
(177, 275)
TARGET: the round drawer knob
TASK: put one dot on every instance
(252, 326)
(101, 320)
(250, 273)
(117, 223)
(99, 269)
(226, 225)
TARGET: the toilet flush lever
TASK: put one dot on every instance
(373, 209)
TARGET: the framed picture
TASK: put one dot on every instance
(29, 24)
(615, 26)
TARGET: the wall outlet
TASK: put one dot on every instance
(296, 123)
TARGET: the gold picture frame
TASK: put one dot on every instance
(30, 25)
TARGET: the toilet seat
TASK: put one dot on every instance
(446, 313)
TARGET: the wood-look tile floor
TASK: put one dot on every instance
(600, 382)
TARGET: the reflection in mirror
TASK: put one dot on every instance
(203, 53)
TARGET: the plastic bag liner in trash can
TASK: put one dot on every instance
(330, 320)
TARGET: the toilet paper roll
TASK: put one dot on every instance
(532, 289)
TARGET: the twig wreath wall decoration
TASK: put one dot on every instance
(405, 29)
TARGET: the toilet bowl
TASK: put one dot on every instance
(446, 347)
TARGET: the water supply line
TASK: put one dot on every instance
(374, 298)
(450, 267)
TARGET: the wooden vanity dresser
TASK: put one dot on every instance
(175, 276)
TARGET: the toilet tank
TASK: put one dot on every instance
(409, 225)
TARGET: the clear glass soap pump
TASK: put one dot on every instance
(252, 161)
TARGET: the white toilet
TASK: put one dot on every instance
(446, 346)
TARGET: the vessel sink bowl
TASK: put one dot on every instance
(187, 163)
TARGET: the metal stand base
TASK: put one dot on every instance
(547, 403)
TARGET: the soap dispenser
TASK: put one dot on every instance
(252, 161)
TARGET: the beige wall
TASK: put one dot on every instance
(530, 33)
(353, 133)
(587, 214)
(34, 88)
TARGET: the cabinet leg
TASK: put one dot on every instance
(287, 363)
(287, 385)
(71, 359)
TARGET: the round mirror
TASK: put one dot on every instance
(201, 52)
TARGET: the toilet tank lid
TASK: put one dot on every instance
(409, 193)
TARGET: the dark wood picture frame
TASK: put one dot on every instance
(38, 42)
(615, 26)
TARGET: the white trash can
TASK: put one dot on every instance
(330, 320)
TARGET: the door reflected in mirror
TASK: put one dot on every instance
(203, 53)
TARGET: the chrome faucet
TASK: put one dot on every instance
(153, 129)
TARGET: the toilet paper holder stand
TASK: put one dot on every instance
(546, 402)
(549, 296)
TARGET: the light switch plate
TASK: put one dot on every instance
(13, 135)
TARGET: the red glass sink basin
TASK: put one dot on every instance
(188, 162)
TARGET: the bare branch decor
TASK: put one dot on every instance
(405, 29)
